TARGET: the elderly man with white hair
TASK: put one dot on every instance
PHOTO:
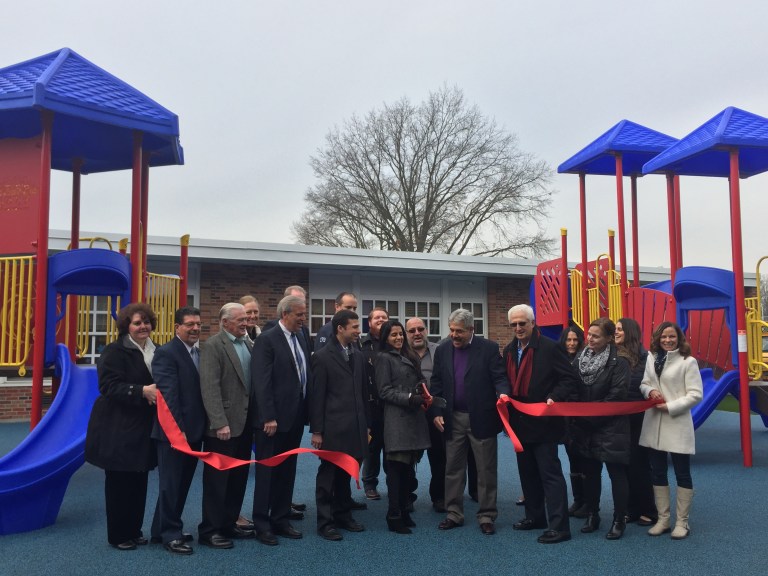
(539, 371)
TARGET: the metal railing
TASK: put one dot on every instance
(615, 306)
(577, 311)
(163, 297)
(756, 327)
(17, 284)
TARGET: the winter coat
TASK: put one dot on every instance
(680, 385)
(121, 421)
(405, 427)
(604, 438)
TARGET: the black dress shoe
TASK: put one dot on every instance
(216, 540)
(617, 529)
(288, 532)
(592, 524)
(487, 528)
(295, 515)
(553, 537)
(178, 547)
(527, 524)
(299, 507)
(355, 505)
(184, 536)
(244, 525)
(141, 541)
(127, 545)
(238, 533)
(267, 537)
(448, 524)
(350, 525)
(330, 533)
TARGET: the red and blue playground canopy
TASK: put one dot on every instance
(95, 113)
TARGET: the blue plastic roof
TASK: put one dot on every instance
(704, 152)
(637, 144)
(95, 113)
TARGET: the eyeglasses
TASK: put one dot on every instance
(516, 324)
(192, 324)
(413, 330)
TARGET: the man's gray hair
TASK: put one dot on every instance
(462, 316)
(228, 311)
(288, 303)
(295, 288)
(525, 309)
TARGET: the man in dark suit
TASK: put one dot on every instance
(539, 371)
(225, 384)
(280, 372)
(175, 371)
(338, 402)
(469, 374)
(299, 292)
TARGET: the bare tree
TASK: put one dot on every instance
(437, 177)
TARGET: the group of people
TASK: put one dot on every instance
(385, 399)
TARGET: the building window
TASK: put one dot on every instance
(429, 312)
(477, 310)
(320, 312)
(94, 326)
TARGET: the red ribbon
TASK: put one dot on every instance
(566, 409)
(223, 462)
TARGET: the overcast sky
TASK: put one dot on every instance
(258, 84)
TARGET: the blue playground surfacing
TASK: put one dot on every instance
(726, 521)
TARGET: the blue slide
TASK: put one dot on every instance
(714, 392)
(34, 476)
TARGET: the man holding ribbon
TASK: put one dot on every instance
(539, 371)
(280, 372)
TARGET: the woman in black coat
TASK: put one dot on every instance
(604, 439)
(118, 438)
(572, 341)
(641, 506)
(406, 434)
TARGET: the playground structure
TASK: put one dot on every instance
(60, 111)
(725, 329)
(63, 112)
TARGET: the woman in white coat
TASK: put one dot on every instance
(672, 376)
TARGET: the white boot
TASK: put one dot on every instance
(661, 495)
(684, 498)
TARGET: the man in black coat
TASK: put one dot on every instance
(176, 373)
(338, 421)
(469, 374)
(344, 301)
(539, 371)
(280, 373)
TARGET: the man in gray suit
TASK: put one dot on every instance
(225, 383)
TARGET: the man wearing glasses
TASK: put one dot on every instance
(539, 371)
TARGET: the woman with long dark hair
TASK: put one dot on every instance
(572, 341)
(671, 375)
(605, 439)
(118, 438)
(641, 507)
(406, 435)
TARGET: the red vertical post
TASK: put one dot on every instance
(635, 240)
(184, 270)
(584, 271)
(678, 223)
(137, 274)
(144, 223)
(41, 274)
(741, 321)
(672, 220)
(622, 236)
(74, 244)
(564, 285)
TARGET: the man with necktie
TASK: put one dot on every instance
(226, 389)
(280, 372)
(175, 368)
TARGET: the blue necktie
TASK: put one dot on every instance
(299, 363)
(195, 357)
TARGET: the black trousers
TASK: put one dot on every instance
(224, 490)
(175, 473)
(372, 463)
(333, 495)
(436, 457)
(399, 479)
(544, 487)
(273, 490)
(593, 485)
(641, 501)
(126, 497)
